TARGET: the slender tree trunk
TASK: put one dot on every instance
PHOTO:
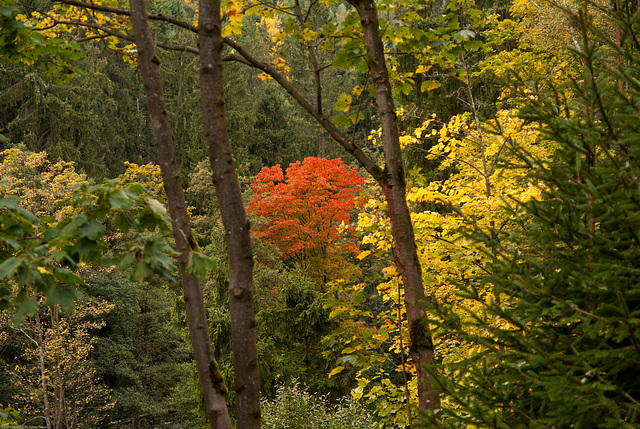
(136, 419)
(234, 218)
(211, 383)
(317, 80)
(43, 375)
(59, 388)
(394, 188)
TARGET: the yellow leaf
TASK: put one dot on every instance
(336, 370)
(343, 103)
(383, 286)
(390, 271)
(429, 85)
(363, 255)
(43, 270)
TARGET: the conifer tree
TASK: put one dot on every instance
(560, 339)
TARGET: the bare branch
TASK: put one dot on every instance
(126, 12)
(273, 6)
(238, 58)
(109, 32)
(334, 132)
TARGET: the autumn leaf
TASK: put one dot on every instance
(343, 103)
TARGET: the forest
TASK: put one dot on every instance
(319, 214)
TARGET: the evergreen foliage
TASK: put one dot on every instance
(559, 332)
(96, 120)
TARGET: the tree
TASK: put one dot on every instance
(44, 255)
(232, 212)
(306, 214)
(77, 121)
(211, 383)
(137, 354)
(55, 374)
(390, 177)
(565, 281)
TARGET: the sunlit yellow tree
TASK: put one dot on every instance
(55, 379)
(484, 173)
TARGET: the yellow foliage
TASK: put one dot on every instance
(148, 175)
(67, 345)
(41, 185)
(486, 173)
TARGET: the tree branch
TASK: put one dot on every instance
(123, 36)
(334, 132)
(126, 12)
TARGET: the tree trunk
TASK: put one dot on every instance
(211, 383)
(59, 388)
(394, 188)
(234, 218)
(43, 374)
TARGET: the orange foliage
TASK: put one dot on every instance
(306, 214)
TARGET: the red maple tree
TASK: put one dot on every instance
(304, 213)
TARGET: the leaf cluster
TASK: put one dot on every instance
(42, 255)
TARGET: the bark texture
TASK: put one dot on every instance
(394, 188)
(234, 218)
(211, 386)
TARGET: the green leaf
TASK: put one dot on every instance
(141, 270)
(68, 277)
(137, 188)
(4, 291)
(91, 230)
(341, 121)
(359, 298)
(124, 222)
(51, 234)
(352, 359)
(27, 307)
(13, 243)
(429, 85)
(120, 200)
(127, 260)
(8, 267)
(156, 207)
(199, 263)
(63, 295)
(11, 202)
(147, 221)
(6, 11)
(47, 220)
(464, 35)
(28, 215)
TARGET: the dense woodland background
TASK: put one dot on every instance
(520, 130)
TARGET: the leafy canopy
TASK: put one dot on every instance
(305, 214)
(41, 252)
